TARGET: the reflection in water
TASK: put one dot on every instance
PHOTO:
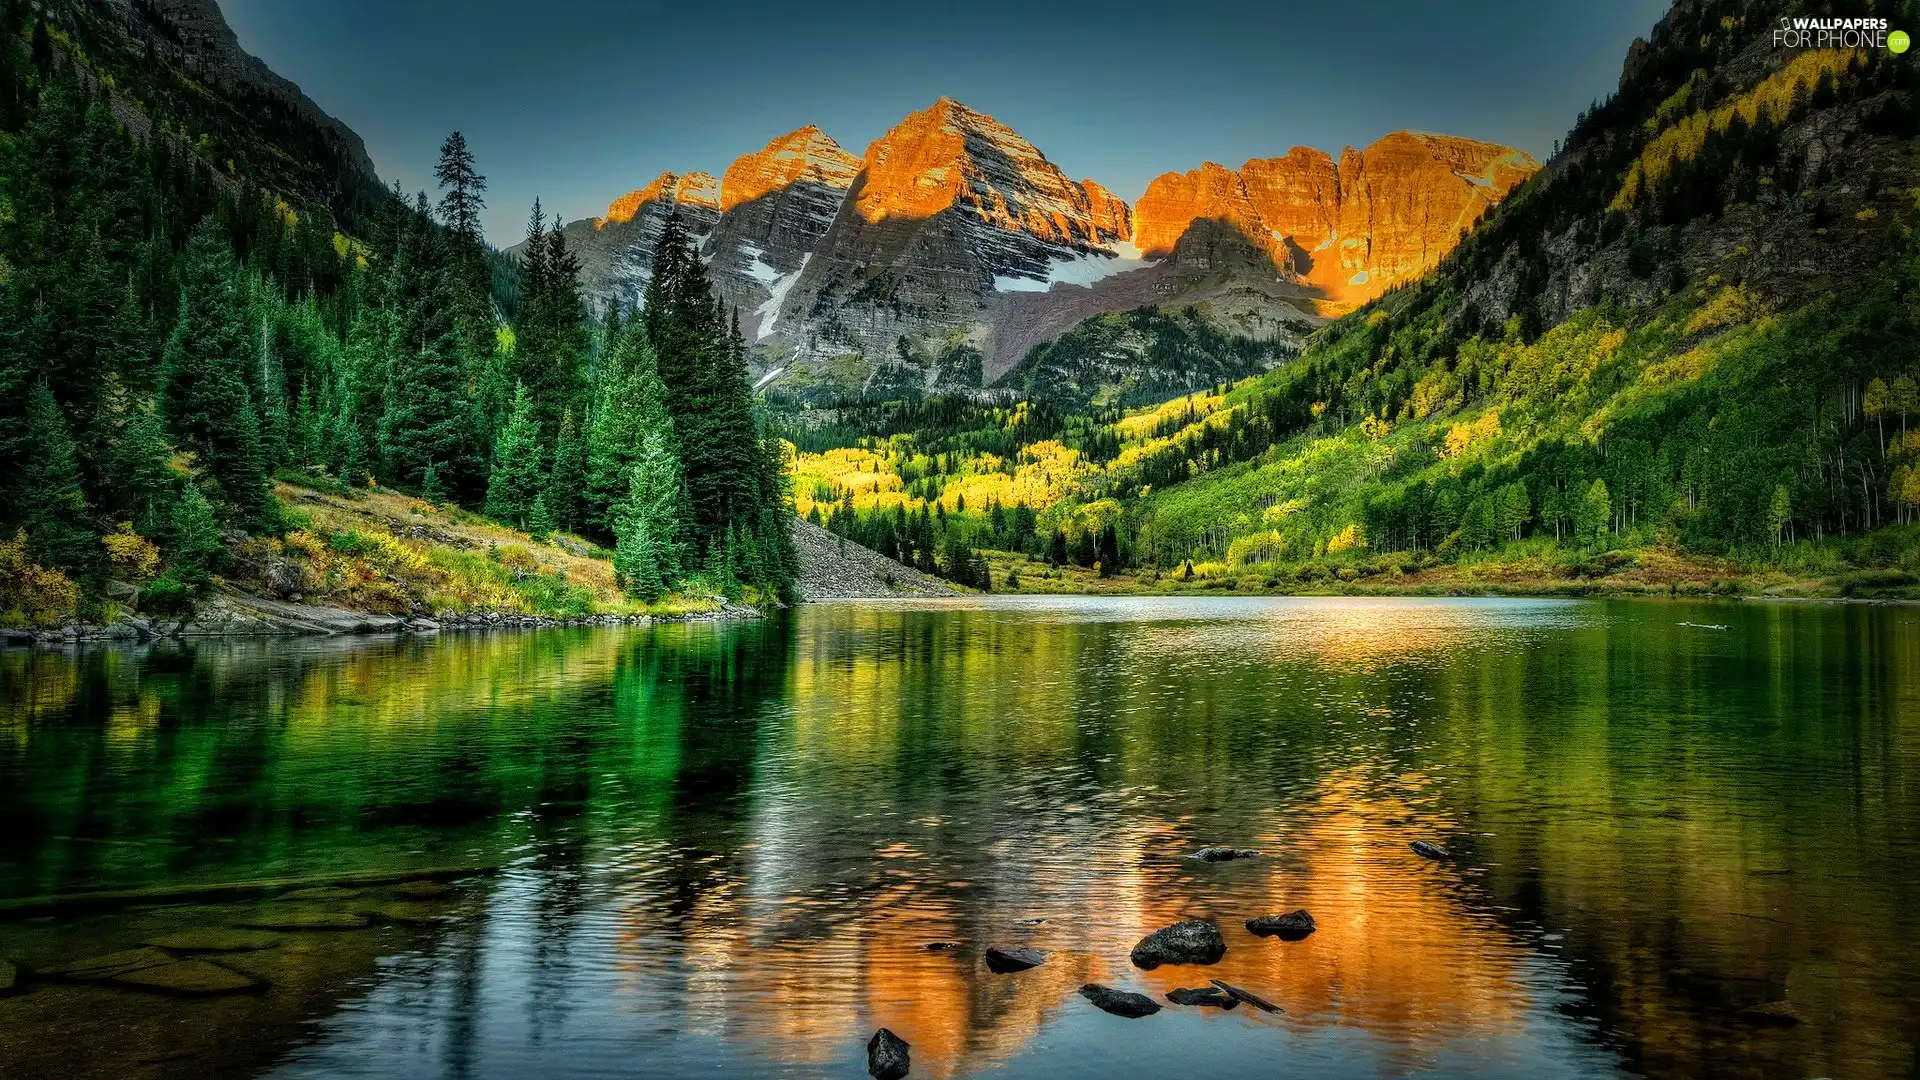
(727, 846)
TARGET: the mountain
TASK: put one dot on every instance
(179, 60)
(1380, 217)
(1685, 345)
(953, 248)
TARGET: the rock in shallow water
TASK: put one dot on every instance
(1211, 996)
(888, 1056)
(323, 892)
(1430, 851)
(188, 977)
(1224, 854)
(1189, 942)
(8, 976)
(410, 913)
(1248, 996)
(941, 946)
(110, 965)
(1119, 1002)
(1292, 926)
(422, 890)
(304, 920)
(216, 939)
(1009, 960)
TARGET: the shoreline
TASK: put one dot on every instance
(326, 622)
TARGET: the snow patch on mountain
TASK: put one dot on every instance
(780, 285)
(1081, 269)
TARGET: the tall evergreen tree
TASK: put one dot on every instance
(209, 407)
(649, 552)
(516, 476)
(53, 507)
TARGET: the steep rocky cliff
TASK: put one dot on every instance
(954, 246)
(1351, 231)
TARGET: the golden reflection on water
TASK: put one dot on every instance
(778, 820)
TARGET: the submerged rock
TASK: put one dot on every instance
(1009, 960)
(1430, 851)
(188, 977)
(323, 892)
(1292, 926)
(1248, 996)
(1224, 854)
(1191, 942)
(941, 946)
(889, 1056)
(95, 968)
(422, 890)
(216, 939)
(304, 920)
(9, 975)
(409, 912)
(1211, 996)
(1119, 1002)
(1777, 1013)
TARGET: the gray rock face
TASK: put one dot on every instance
(1191, 942)
(1119, 1002)
(888, 1056)
(1007, 960)
(836, 569)
(1292, 926)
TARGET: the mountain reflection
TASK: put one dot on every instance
(726, 847)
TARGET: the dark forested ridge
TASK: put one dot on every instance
(188, 313)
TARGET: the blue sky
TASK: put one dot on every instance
(579, 101)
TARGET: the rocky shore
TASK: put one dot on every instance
(232, 613)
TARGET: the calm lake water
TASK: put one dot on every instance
(723, 848)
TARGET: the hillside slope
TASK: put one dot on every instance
(834, 568)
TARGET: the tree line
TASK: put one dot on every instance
(173, 338)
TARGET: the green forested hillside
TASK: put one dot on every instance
(178, 328)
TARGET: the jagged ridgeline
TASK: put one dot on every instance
(209, 307)
(1680, 355)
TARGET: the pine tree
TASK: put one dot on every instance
(209, 407)
(540, 518)
(566, 481)
(194, 538)
(632, 403)
(138, 474)
(53, 507)
(427, 419)
(648, 553)
(515, 480)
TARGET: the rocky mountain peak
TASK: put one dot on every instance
(807, 154)
(951, 156)
(681, 189)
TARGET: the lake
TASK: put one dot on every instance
(722, 849)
